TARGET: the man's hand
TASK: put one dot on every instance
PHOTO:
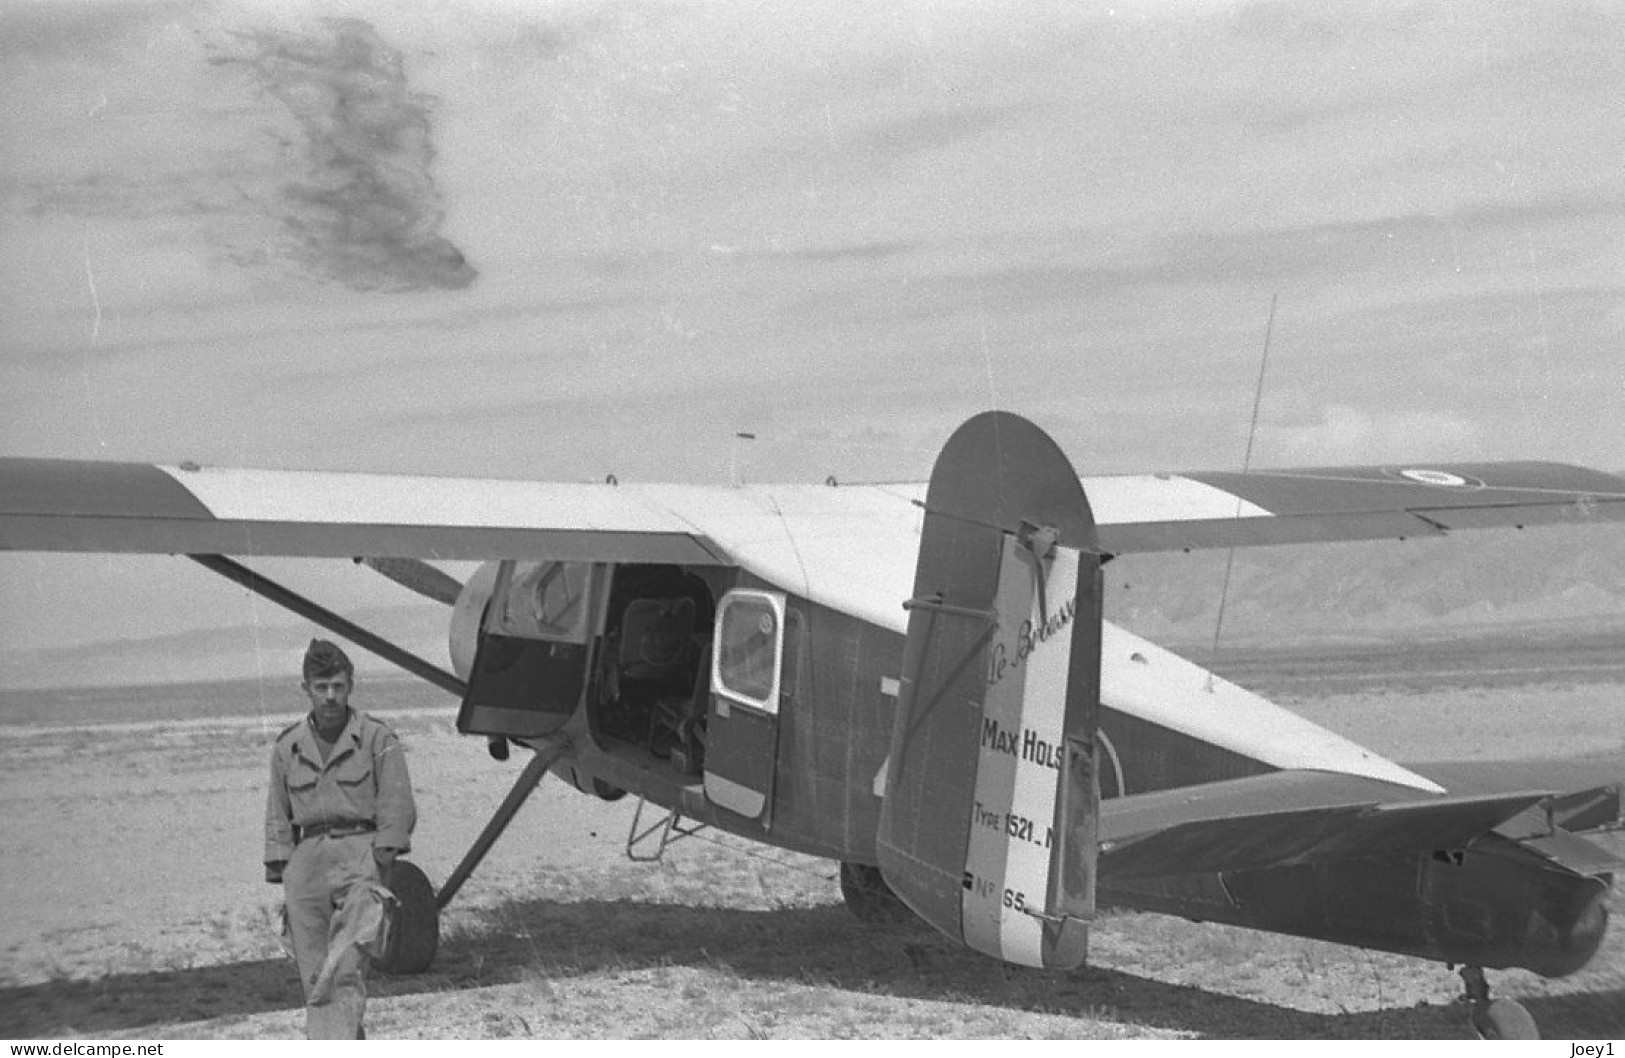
(273, 871)
(385, 858)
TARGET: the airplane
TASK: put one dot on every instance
(918, 682)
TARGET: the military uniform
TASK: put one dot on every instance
(328, 807)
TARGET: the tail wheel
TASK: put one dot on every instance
(869, 898)
(414, 933)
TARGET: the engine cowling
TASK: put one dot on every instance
(466, 615)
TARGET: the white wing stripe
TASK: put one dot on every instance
(1163, 498)
(381, 499)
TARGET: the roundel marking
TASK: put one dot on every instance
(1441, 478)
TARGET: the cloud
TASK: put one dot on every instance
(1325, 26)
(286, 150)
(198, 191)
(359, 203)
(1349, 435)
(532, 32)
(931, 130)
(49, 29)
(853, 251)
(1341, 248)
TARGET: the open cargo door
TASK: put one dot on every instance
(988, 827)
(530, 668)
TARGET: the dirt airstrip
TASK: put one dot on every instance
(133, 907)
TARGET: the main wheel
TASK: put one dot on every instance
(414, 928)
(1505, 1019)
(869, 898)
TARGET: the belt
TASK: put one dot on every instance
(341, 829)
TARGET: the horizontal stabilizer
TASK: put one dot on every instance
(1592, 788)
(1286, 818)
(1576, 853)
(1545, 829)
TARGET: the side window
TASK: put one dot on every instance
(749, 640)
(543, 600)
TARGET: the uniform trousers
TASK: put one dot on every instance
(334, 904)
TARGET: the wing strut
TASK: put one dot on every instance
(291, 600)
(528, 780)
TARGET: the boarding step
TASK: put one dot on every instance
(663, 833)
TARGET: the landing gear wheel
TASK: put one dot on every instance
(1506, 1019)
(1495, 1019)
(869, 898)
(414, 933)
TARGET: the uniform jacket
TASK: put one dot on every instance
(364, 780)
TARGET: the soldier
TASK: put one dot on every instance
(338, 812)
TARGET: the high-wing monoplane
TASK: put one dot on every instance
(917, 681)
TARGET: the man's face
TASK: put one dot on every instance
(329, 699)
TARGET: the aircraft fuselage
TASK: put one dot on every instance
(808, 775)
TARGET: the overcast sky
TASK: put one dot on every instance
(563, 240)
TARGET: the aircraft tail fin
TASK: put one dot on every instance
(988, 827)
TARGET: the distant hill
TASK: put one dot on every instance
(1542, 582)
(230, 652)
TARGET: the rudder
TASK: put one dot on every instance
(988, 828)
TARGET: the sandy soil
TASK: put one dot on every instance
(134, 907)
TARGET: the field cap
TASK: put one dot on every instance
(324, 660)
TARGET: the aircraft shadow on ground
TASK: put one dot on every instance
(524, 940)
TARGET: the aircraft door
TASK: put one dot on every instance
(530, 668)
(747, 674)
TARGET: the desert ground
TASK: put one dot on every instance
(134, 906)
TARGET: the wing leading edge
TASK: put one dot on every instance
(1317, 505)
(72, 505)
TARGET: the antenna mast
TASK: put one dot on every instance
(1246, 467)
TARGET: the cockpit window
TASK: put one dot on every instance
(750, 637)
(545, 600)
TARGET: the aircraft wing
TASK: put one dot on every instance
(1294, 816)
(851, 546)
(76, 505)
(1172, 512)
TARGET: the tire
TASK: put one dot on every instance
(414, 934)
(1507, 1019)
